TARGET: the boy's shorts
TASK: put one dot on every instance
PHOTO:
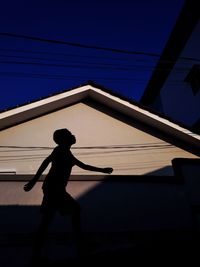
(59, 201)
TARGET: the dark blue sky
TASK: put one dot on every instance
(31, 69)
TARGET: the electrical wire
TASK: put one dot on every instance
(86, 151)
(87, 46)
(44, 40)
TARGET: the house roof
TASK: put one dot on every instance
(104, 96)
(185, 24)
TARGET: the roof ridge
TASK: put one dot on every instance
(111, 92)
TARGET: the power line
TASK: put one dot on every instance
(72, 61)
(44, 40)
(94, 57)
(87, 65)
(68, 55)
(94, 151)
(64, 77)
(157, 144)
(122, 51)
(64, 65)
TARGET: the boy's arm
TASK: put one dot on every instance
(43, 166)
(92, 168)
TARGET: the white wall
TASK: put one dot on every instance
(143, 152)
(113, 206)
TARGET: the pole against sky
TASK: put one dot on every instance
(30, 69)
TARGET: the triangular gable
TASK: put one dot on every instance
(105, 97)
(110, 130)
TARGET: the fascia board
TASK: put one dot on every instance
(145, 116)
(41, 107)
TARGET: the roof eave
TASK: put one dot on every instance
(39, 108)
(146, 117)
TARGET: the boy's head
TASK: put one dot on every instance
(64, 137)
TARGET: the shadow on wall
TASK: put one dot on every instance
(167, 170)
(115, 205)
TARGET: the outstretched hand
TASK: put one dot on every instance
(29, 186)
(108, 170)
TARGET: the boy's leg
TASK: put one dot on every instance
(69, 206)
(76, 225)
(41, 233)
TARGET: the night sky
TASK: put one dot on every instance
(32, 69)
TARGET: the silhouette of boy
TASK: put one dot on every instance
(55, 196)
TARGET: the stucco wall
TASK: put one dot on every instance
(110, 206)
(128, 147)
